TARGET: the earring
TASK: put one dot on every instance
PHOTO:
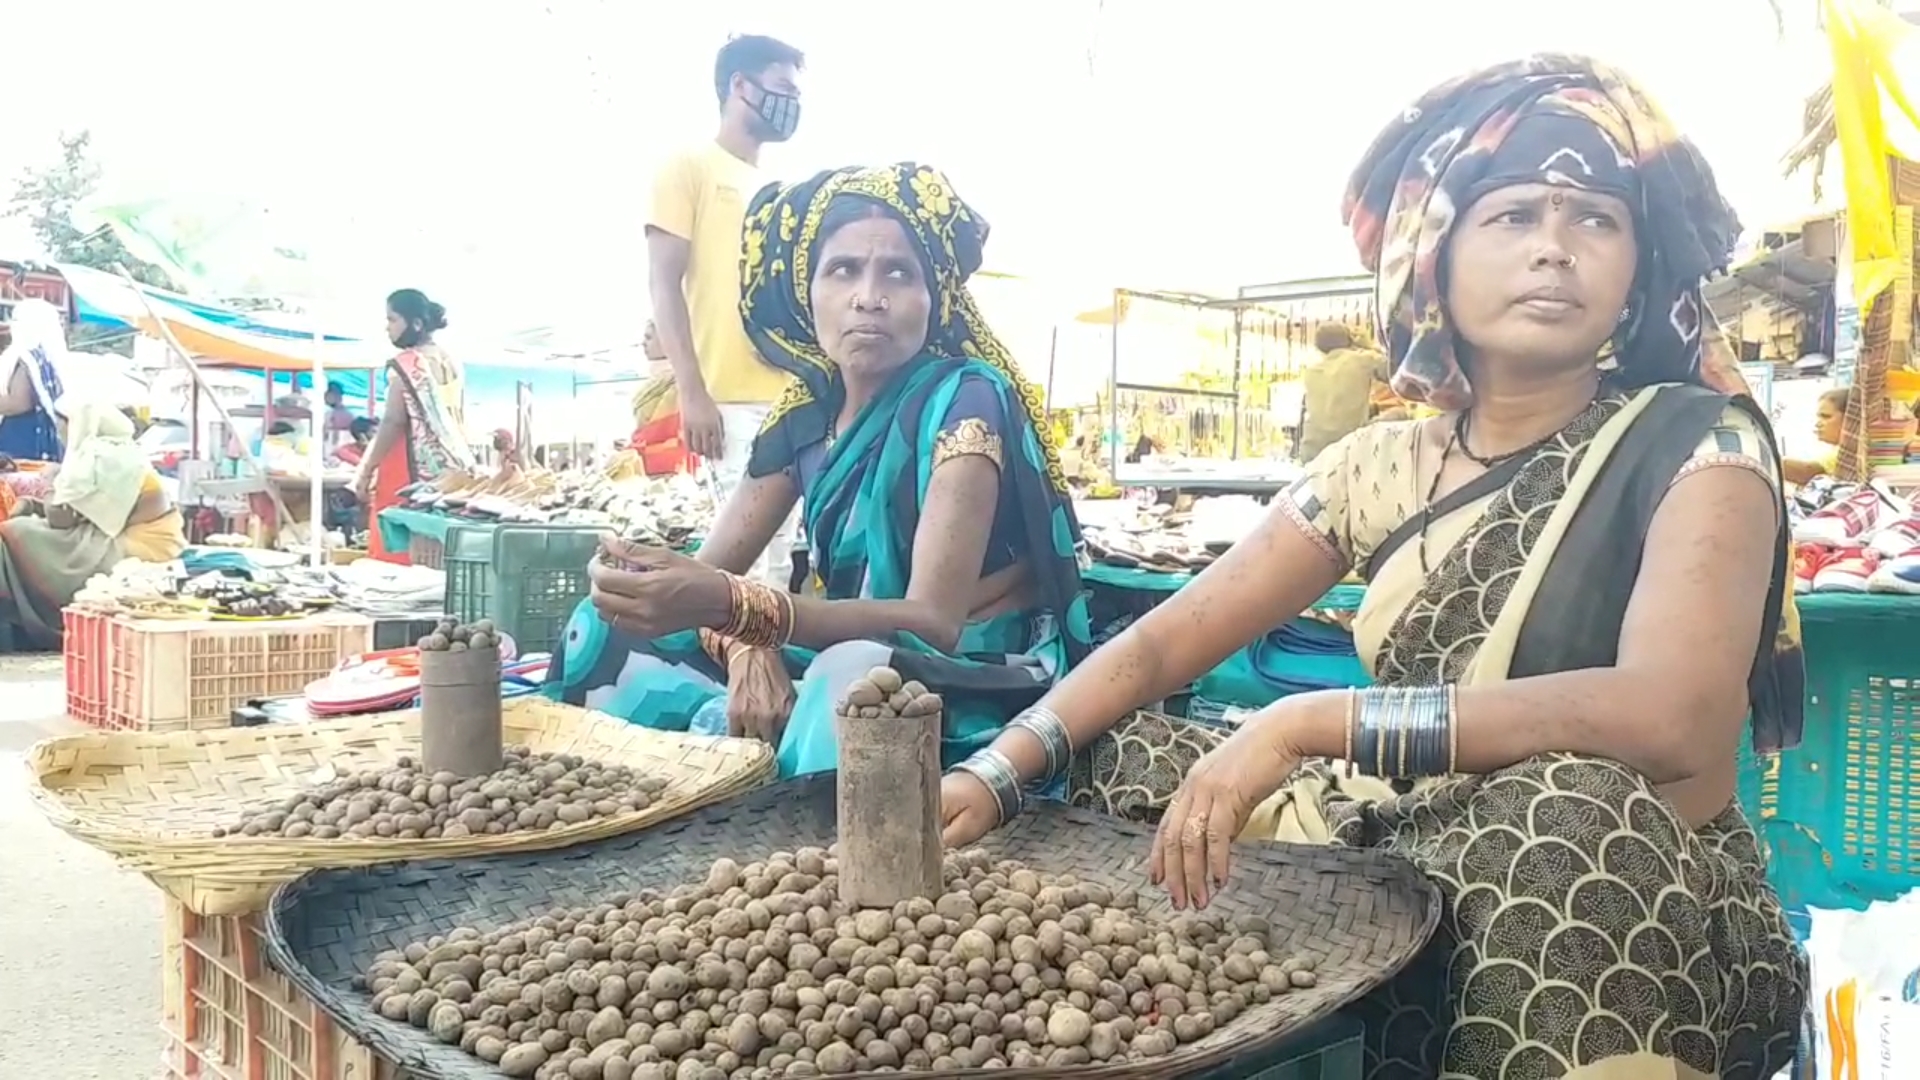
(1626, 313)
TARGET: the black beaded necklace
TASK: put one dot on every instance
(1461, 425)
(1433, 488)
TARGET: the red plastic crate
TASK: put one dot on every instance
(188, 676)
(227, 1016)
(83, 646)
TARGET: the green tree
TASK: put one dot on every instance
(46, 196)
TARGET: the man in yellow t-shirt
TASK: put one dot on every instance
(1338, 389)
(693, 251)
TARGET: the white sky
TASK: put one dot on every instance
(497, 154)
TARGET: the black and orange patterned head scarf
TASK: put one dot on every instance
(1553, 119)
(1573, 122)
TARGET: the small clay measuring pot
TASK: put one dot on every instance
(460, 711)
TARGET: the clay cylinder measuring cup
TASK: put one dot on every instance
(460, 711)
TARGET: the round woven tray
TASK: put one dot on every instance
(1362, 914)
(153, 799)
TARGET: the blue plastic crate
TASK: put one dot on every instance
(1840, 814)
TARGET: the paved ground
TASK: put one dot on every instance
(79, 939)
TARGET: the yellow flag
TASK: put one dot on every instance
(1866, 40)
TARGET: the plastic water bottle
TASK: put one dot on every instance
(711, 718)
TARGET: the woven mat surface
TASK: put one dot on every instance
(153, 800)
(1361, 914)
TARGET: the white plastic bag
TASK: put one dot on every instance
(1865, 1000)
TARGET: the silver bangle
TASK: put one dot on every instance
(996, 771)
(1046, 725)
(1405, 732)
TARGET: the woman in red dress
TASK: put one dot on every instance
(420, 434)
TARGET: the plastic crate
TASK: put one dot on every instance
(526, 578)
(400, 633)
(185, 676)
(83, 647)
(426, 551)
(1332, 1049)
(227, 1016)
(1840, 813)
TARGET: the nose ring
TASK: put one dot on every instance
(1568, 261)
(882, 304)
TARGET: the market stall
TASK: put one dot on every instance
(1204, 394)
(258, 493)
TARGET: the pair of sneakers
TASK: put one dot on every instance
(1842, 546)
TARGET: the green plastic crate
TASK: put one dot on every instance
(1840, 813)
(526, 578)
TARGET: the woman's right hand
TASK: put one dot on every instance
(967, 809)
(760, 696)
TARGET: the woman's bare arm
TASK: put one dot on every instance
(949, 552)
(1673, 704)
(1799, 472)
(1263, 581)
(152, 505)
(391, 430)
(17, 398)
(748, 521)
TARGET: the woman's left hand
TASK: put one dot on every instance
(760, 696)
(1213, 805)
(656, 592)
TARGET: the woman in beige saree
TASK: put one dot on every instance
(1577, 597)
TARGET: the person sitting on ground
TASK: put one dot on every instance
(1338, 388)
(106, 504)
(938, 517)
(1577, 597)
(354, 450)
(339, 419)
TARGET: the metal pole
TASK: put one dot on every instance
(316, 445)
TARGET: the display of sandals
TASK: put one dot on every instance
(1151, 540)
(390, 679)
(671, 508)
(223, 598)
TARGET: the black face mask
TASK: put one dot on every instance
(779, 114)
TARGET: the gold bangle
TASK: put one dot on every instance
(735, 607)
(786, 628)
(757, 615)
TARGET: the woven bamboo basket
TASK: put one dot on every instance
(152, 800)
(1361, 914)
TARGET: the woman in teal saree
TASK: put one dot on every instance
(941, 532)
